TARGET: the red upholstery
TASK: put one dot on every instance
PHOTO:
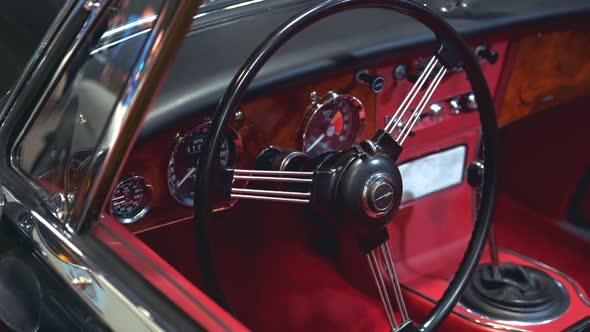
(274, 277)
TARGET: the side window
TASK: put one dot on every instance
(58, 146)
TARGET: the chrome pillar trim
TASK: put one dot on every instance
(154, 60)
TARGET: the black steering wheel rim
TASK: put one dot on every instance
(446, 35)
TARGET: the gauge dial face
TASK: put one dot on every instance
(131, 199)
(182, 167)
(332, 124)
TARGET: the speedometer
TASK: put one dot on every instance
(332, 124)
(182, 167)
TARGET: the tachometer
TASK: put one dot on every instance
(131, 199)
(332, 124)
(182, 167)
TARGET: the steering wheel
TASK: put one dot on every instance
(358, 189)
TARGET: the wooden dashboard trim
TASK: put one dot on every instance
(548, 69)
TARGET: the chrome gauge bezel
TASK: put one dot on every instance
(230, 134)
(332, 97)
(148, 200)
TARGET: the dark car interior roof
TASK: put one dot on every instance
(21, 30)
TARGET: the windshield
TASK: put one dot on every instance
(57, 150)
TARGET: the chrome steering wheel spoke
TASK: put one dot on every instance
(380, 261)
(411, 118)
(278, 177)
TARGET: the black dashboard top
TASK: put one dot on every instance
(214, 51)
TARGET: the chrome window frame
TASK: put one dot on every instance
(82, 260)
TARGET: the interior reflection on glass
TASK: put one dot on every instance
(60, 144)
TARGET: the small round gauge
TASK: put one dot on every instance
(131, 199)
(332, 124)
(182, 167)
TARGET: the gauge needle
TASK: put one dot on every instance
(316, 142)
(188, 174)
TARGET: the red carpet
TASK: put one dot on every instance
(528, 232)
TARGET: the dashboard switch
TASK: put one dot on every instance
(484, 52)
(475, 174)
(377, 82)
(468, 102)
(436, 112)
(455, 104)
(400, 72)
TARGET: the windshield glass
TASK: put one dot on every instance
(58, 148)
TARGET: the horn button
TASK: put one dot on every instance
(378, 195)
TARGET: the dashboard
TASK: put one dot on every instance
(314, 115)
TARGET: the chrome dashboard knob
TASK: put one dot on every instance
(468, 102)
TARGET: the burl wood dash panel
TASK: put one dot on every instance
(549, 69)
